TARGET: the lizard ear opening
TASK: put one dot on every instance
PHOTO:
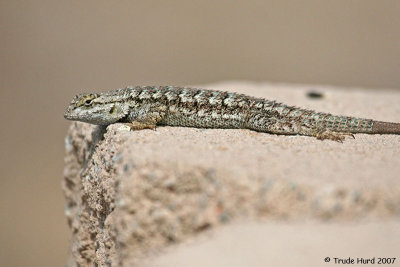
(112, 110)
(118, 112)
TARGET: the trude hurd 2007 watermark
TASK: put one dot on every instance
(349, 260)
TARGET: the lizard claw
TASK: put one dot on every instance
(334, 136)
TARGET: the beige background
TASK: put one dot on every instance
(51, 50)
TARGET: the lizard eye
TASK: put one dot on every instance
(88, 102)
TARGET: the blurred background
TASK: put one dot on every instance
(51, 50)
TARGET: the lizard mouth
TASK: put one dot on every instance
(68, 114)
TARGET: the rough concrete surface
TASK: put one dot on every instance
(132, 194)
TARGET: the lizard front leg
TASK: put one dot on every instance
(140, 125)
(145, 117)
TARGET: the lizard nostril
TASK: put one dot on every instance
(66, 114)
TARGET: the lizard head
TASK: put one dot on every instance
(100, 109)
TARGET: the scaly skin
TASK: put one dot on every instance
(147, 106)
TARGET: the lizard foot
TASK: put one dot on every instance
(137, 125)
(334, 136)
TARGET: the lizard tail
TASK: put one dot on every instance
(380, 127)
(357, 125)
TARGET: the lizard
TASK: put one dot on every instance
(145, 107)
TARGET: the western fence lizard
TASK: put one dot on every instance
(144, 107)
